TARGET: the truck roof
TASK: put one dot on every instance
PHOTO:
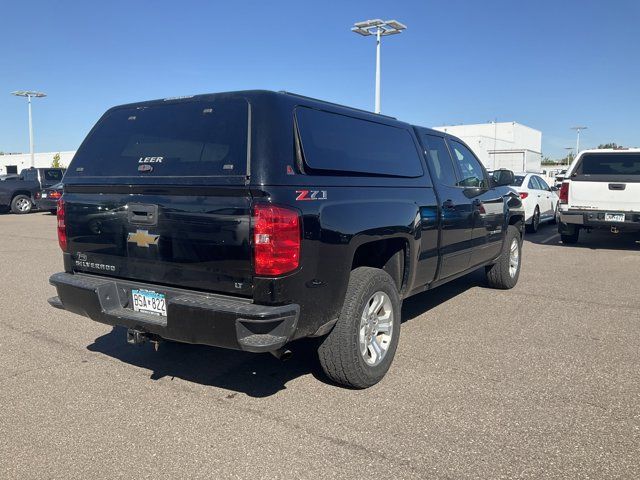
(292, 98)
(610, 150)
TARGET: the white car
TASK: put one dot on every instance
(539, 199)
(601, 191)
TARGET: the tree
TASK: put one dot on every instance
(56, 161)
(613, 145)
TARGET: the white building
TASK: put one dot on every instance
(508, 145)
(15, 162)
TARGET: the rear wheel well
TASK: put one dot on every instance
(389, 255)
(21, 192)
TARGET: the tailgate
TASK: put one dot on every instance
(617, 196)
(190, 241)
(157, 193)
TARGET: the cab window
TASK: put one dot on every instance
(471, 172)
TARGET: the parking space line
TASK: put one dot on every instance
(555, 235)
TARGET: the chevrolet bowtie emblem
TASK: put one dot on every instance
(142, 238)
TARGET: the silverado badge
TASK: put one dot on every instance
(143, 238)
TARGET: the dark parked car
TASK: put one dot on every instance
(17, 194)
(46, 177)
(248, 220)
(47, 198)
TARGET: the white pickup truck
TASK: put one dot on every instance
(601, 190)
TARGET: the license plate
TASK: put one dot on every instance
(148, 301)
(44, 195)
(614, 217)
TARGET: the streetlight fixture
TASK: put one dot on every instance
(578, 129)
(379, 28)
(29, 94)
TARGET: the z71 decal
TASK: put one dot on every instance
(311, 195)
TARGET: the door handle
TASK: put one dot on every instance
(448, 204)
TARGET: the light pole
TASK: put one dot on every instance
(578, 129)
(569, 152)
(379, 28)
(29, 94)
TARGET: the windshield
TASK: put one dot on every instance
(517, 181)
(191, 138)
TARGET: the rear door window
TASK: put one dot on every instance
(440, 160)
(337, 143)
(183, 139)
(53, 174)
(543, 185)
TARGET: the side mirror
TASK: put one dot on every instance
(553, 189)
(501, 178)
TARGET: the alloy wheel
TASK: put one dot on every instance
(376, 328)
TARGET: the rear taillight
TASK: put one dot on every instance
(564, 192)
(55, 195)
(276, 239)
(62, 228)
(523, 195)
(37, 195)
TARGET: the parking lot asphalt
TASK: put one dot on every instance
(542, 381)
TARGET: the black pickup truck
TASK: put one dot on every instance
(247, 220)
(17, 193)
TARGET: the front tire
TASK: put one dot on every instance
(359, 350)
(21, 204)
(505, 272)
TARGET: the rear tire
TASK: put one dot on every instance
(505, 272)
(556, 215)
(21, 204)
(570, 239)
(359, 350)
(535, 221)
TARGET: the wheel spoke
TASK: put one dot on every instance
(376, 349)
(363, 348)
(376, 303)
(384, 327)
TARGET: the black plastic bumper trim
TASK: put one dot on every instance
(595, 219)
(192, 317)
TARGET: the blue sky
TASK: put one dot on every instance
(547, 64)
